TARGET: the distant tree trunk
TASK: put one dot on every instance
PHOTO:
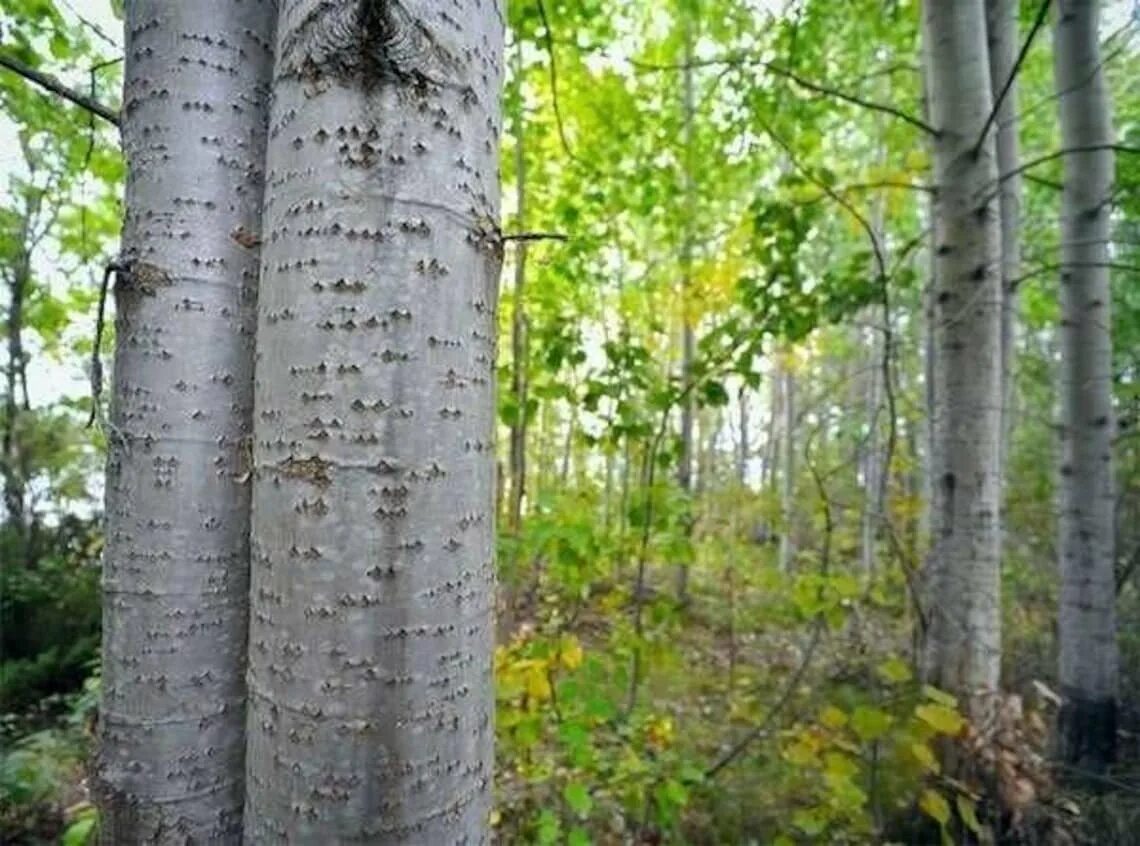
(688, 343)
(1001, 26)
(176, 564)
(788, 489)
(871, 456)
(373, 523)
(743, 447)
(772, 434)
(1088, 649)
(17, 275)
(963, 649)
(519, 350)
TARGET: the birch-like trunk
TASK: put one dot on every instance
(371, 703)
(688, 340)
(519, 346)
(963, 648)
(176, 564)
(1001, 27)
(788, 486)
(872, 505)
(1088, 649)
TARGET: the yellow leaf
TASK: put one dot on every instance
(537, 683)
(800, 753)
(571, 653)
(660, 733)
(894, 670)
(923, 754)
(935, 806)
(942, 719)
(839, 766)
(832, 717)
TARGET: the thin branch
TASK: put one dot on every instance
(1056, 154)
(1049, 268)
(113, 268)
(1042, 12)
(548, 38)
(536, 236)
(817, 87)
(56, 87)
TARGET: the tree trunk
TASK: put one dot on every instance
(1088, 649)
(371, 703)
(1001, 26)
(175, 579)
(688, 342)
(519, 351)
(11, 454)
(872, 506)
(963, 649)
(743, 445)
(788, 489)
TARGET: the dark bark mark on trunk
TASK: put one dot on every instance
(369, 43)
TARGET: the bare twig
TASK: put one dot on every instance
(50, 83)
(96, 357)
(803, 82)
(536, 236)
(1042, 12)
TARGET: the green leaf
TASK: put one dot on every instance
(578, 837)
(811, 821)
(79, 832)
(578, 798)
(968, 813)
(549, 828)
(714, 394)
(870, 723)
(939, 696)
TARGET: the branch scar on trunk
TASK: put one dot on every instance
(368, 43)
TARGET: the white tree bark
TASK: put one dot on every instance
(175, 580)
(688, 337)
(373, 522)
(788, 488)
(963, 647)
(1001, 26)
(1088, 649)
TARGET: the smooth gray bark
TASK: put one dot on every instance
(1088, 648)
(1001, 28)
(963, 648)
(872, 505)
(788, 481)
(519, 340)
(371, 702)
(688, 338)
(176, 564)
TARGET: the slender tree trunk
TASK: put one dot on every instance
(788, 489)
(519, 350)
(11, 458)
(1001, 26)
(373, 522)
(688, 343)
(963, 649)
(871, 457)
(743, 447)
(176, 565)
(1088, 649)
